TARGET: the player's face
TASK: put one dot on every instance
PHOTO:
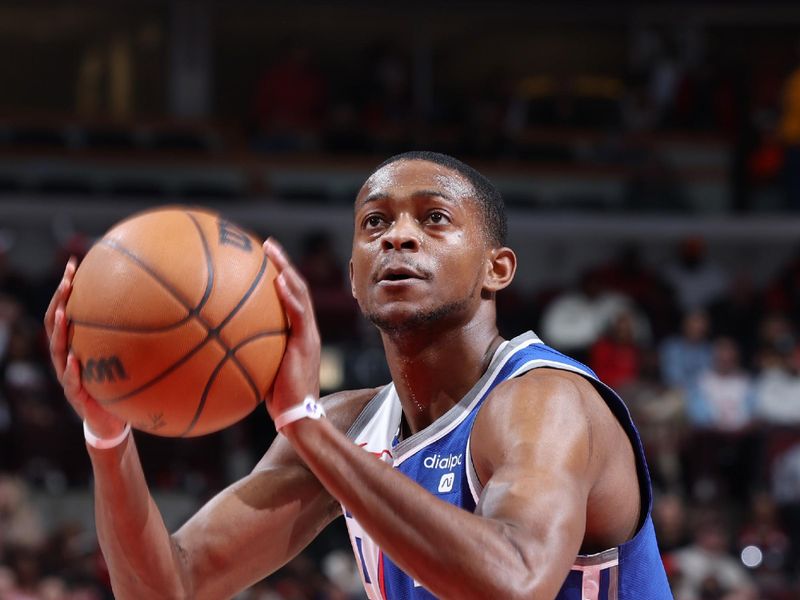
(419, 247)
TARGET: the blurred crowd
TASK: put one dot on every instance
(707, 361)
(668, 113)
(671, 82)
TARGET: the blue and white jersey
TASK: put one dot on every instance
(439, 459)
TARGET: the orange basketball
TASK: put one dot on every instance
(176, 322)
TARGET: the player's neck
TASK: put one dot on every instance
(432, 372)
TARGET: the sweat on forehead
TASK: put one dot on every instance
(408, 175)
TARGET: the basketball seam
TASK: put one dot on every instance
(129, 329)
(204, 396)
(246, 341)
(228, 352)
(218, 368)
(209, 263)
(236, 309)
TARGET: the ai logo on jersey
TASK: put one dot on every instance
(446, 482)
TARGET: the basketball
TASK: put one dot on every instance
(176, 323)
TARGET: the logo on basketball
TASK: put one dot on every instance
(230, 235)
(107, 369)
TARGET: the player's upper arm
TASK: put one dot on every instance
(259, 523)
(532, 449)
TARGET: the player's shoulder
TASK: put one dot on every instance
(543, 385)
(541, 410)
(343, 408)
(554, 399)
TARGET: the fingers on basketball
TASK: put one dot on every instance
(292, 289)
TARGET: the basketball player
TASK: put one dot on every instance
(486, 469)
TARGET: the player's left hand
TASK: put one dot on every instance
(298, 375)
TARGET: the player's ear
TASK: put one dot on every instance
(501, 266)
(352, 285)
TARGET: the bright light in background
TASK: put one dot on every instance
(331, 369)
(752, 556)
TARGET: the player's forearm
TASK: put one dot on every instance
(451, 552)
(141, 557)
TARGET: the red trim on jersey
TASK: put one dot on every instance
(381, 454)
(381, 582)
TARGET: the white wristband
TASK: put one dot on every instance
(309, 408)
(104, 443)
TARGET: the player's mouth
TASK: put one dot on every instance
(399, 275)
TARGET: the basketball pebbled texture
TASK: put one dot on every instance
(176, 323)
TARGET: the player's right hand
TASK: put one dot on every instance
(100, 421)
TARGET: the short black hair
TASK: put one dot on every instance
(487, 195)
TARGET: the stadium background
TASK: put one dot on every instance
(649, 155)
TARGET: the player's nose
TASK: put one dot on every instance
(404, 234)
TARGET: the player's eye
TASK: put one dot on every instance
(373, 221)
(438, 218)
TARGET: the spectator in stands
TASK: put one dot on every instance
(627, 273)
(784, 487)
(290, 103)
(706, 568)
(666, 72)
(722, 455)
(670, 520)
(777, 386)
(8, 581)
(697, 281)
(783, 293)
(722, 396)
(659, 411)
(53, 588)
(736, 315)
(27, 570)
(778, 332)
(685, 356)
(21, 526)
(575, 319)
(40, 426)
(615, 357)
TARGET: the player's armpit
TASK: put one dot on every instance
(532, 445)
